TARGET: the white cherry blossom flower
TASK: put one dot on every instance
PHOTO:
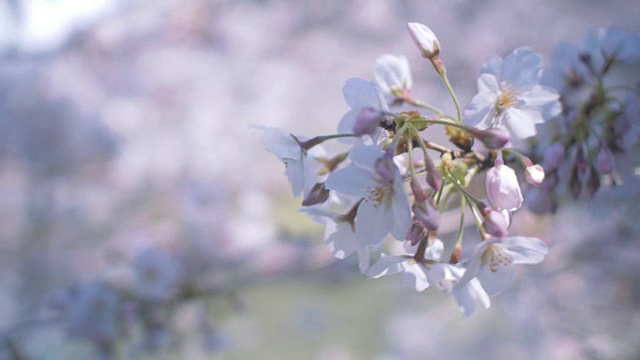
(509, 95)
(374, 177)
(492, 261)
(392, 73)
(302, 166)
(444, 276)
(425, 39)
(611, 44)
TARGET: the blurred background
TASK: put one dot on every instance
(126, 162)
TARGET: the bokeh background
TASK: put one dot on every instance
(124, 127)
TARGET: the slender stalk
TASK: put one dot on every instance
(443, 75)
(422, 248)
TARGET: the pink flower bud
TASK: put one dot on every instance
(534, 175)
(495, 223)
(493, 138)
(553, 156)
(426, 213)
(503, 189)
(416, 233)
(605, 160)
(424, 39)
(367, 121)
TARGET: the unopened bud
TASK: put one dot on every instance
(367, 121)
(418, 191)
(605, 160)
(318, 195)
(416, 233)
(503, 189)
(534, 174)
(540, 201)
(495, 223)
(433, 176)
(550, 181)
(553, 156)
(493, 138)
(456, 255)
(425, 212)
(424, 39)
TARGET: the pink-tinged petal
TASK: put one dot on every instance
(524, 250)
(386, 265)
(503, 188)
(521, 123)
(414, 275)
(522, 69)
(494, 282)
(279, 142)
(372, 224)
(359, 93)
(365, 156)
(400, 211)
(351, 180)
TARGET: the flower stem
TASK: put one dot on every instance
(445, 79)
(422, 248)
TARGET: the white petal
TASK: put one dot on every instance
(495, 281)
(524, 250)
(351, 180)
(372, 224)
(342, 242)
(279, 142)
(522, 69)
(359, 93)
(414, 274)
(345, 126)
(473, 267)
(434, 251)
(364, 258)
(365, 156)
(295, 174)
(480, 113)
(469, 295)
(400, 210)
(521, 123)
(386, 265)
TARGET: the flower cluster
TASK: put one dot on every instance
(585, 146)
(383, 199)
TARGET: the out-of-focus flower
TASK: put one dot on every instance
(492, 260)
(509, 95)
(605, 160)
(302, 167)
(534, 174)
(503, 189)
(392, 73)
(425, 39)
(611, 44)
(156, 275)
(94, 313)
(567, 70)
(374, 177)
(553, 156)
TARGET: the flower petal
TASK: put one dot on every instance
(434, 251)
(400, 210)
(386, 265)
(365, 156)
(359, 93)
(522, 69)
(279, 142)
(351, 180)
(469, 295)
(495, 281)
(524, 250)
(372, 223)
